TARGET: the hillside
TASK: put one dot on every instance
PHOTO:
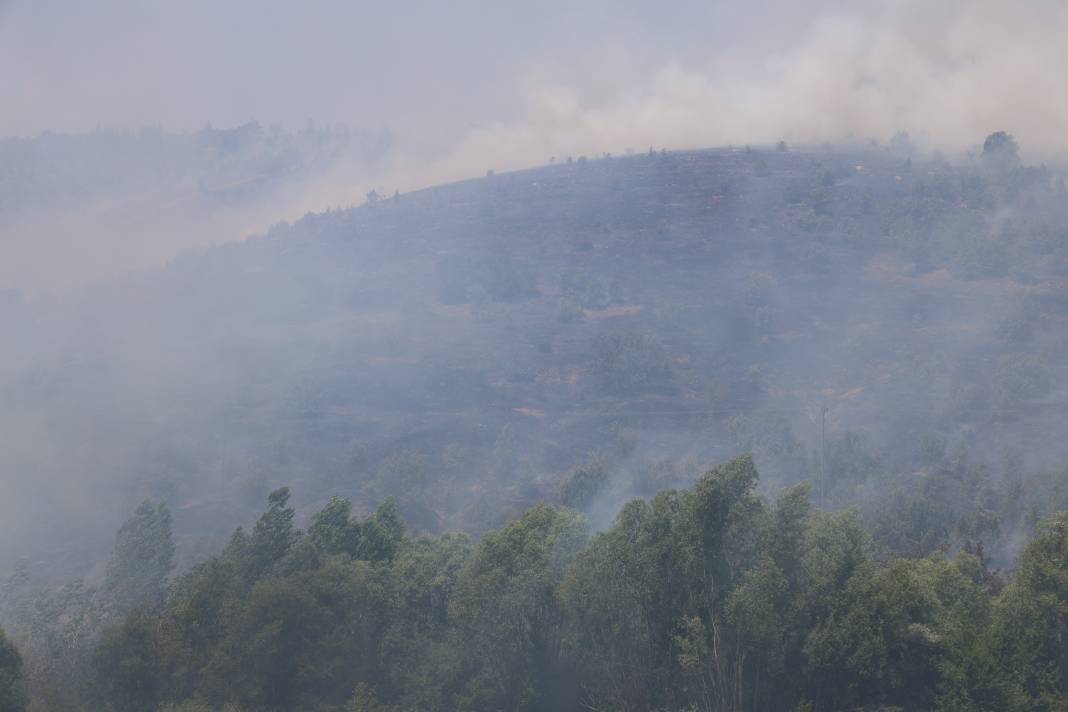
(582, 332)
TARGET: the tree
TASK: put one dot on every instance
(583, 484)
(382, 533)
(12, 688)
(631, 364)
(332, 530)
(142, 559)
(126, 666)
(302, 638)
(509, 616)
(273, 535)
(669, 604)
(974, 677)
(1031, 622)
(707, 599)
(1000, 150)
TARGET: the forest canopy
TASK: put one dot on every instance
(707, 598)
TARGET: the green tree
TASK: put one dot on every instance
(508, 613)
(12, 685)
(668, 603)
(583, 484)
(127, 667)
(333, 531)
(974, 676)
(1000, 149)
(142, 559)
(425, 655)
(704, 599)
(301, 640)
(273, 535)
(382, 533)
(1031, 623)
(631, 364)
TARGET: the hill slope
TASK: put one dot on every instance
(585, 332)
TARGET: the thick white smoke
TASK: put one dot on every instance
(948, 73)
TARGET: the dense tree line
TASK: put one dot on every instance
(12, 685)
(709, 598)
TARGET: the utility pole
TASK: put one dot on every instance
(823, 453)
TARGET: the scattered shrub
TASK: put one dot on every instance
(631, 364)
(472, 279)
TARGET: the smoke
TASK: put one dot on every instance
(557, 79)
(949, 74)
(466, 89)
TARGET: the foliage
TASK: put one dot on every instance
(708, 598)
(142, 559)
(583, 484)
(12, 686)
(490, 277)
(631, 364)
(1000, 147)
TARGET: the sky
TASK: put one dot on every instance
(466, 86)
(550, 75)
(425, 68)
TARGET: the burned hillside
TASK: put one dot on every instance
(877, 322)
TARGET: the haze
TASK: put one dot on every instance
(533, 356)
(464, 87)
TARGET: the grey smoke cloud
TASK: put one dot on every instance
(948, 73)
(468, 86)
(558, 73)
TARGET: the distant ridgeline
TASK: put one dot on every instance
(711, 598)
(55, 171)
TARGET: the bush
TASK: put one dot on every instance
(631, 364)
(12, 690)
(473, 279)
(1000, 148)
(583, 484)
